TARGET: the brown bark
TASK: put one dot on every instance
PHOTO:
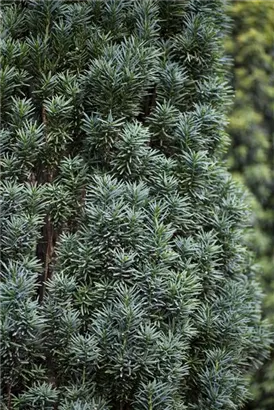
(45, 248)
(148, 104)
(9, 396)
(45, 251)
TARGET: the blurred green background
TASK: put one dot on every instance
(251, 155)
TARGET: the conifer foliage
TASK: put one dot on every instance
(126, 283)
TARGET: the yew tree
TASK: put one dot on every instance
(126, 281)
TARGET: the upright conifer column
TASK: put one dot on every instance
(126, 284)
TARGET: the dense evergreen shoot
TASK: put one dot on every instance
(251, 156)
(126, 281)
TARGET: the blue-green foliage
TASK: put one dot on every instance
(115, 191)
